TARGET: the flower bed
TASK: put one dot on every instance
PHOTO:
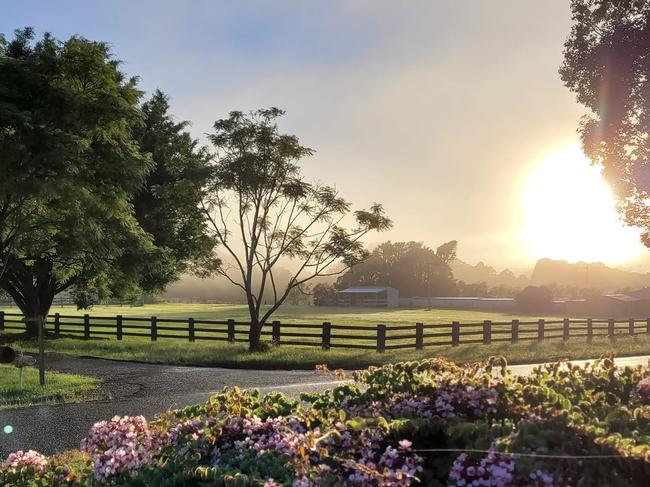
(429, 422)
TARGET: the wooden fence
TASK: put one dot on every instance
(381, 337)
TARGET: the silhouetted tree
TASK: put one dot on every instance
(324, 294)
(261, 211)
(447, 251)
(411, 267)
(607, 64)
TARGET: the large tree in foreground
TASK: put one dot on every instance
(607, 64)
(262, 212)
(70, 169)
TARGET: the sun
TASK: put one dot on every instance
(569, 213)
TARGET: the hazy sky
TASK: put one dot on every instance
(440, 110)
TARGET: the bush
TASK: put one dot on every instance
(429, 422)
(533, 298)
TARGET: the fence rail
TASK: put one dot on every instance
(327, 335)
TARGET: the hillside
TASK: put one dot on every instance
(586, 275)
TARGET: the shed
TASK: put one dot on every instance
(629, 305)
(369, 296)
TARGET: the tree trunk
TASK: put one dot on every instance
(32, 288)
(255, 336)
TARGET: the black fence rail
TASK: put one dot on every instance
(326, 335)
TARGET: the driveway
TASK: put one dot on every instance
(135, 389)
(148, 389)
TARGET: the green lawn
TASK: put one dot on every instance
(295, 314)
(58, 388)
(207, 353)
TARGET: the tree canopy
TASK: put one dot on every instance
(411, 267)
(262, 212)
(607, 64)
(71, 167)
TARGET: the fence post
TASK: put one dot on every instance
(276, 332)
(631, 326)
(86, 326)
(610, 328)
(231, 331)
(455, 334)
(381, 338)
(2, 320)
(327, 335)
(565, 329)
(190, 329)
(540, 329)
(118, 324)
(419, 336)
(154, 328)
(590, 330)
(515, 331)
(57, 323)
(487, 332)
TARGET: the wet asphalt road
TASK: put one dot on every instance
(134, 389)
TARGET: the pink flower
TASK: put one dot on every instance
(643, 390)
(29, 459)
(405, 444)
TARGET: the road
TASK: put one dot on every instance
(147, 389)
(135, 388)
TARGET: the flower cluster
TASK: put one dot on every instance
(29, 459)
(495, 469)
(643, 390)
(123, 444)
(282, 435)
(394, 467)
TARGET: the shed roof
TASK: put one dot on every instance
(622, 297)
(365, 289)
(641, 293)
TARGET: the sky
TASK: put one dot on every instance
(446, 112)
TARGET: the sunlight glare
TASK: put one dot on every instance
(569, 213)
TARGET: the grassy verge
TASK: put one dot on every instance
(293, 357)
(58, 388)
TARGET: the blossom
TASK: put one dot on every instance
(643, 390)
(28, 459)
(123, 444)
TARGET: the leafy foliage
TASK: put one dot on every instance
(411, 267)
(606, 65)
(71, 167)
(431, 422)
(262, 212)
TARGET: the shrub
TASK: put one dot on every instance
(533, 298)
(428, 422)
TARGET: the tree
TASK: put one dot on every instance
(261, 211)
(324, 294)
(447, 251)
(411, 267)
(533, 298)
(168, 205)
(71, 168)
(606, 63)
(472, 289)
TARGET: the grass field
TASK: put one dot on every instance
(296, 314)
(289, 357)
(58, 388)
